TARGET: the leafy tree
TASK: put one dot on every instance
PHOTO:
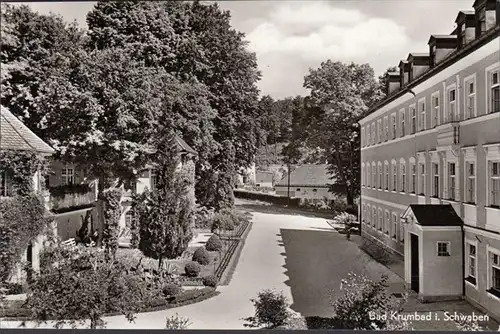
(361, 298)
(185, 39)
(383, 79)
(271, 310)
(163, 224)
(340, 95)
(78, 285)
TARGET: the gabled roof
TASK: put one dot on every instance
(14, 135)
(184, 146)
(434, 215)
(308, 175)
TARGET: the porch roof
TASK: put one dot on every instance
(435, 215)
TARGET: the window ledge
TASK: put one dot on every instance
(394, 238)
(386, 190)
(473, 205)
(402, 192)
(393, 191)
(379, 189)
(492, 208)
(494, 294)
(451, 200)
(421, 195)
(471, 281)
(413, 194)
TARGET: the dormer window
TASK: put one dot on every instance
(482, 19)
(463, 40)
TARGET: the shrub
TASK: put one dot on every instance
(203, 217)
(171, 290)
(377, 252)
(271, 310)
(222, 221)
(345, 219)
(210, 281)
(14, 288)
(177, 323)
(192, 269)
(362, 298)
(201, 256)
(190, 295)
(338, 206)
(214, 244)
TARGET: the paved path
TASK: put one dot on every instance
(260, 266)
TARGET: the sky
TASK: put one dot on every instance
(290, 37)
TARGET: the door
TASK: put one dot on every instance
(29, 258)
(415, 273)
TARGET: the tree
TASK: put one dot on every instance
(364, 304)
(186, 39)
(383, 79)
(164, 222)
(340, 95)
(271, 310)
(78, 285)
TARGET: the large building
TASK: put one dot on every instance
(430, 161)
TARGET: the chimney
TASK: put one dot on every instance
(404, 72)
(486, 15)
(393, 82)
(466, 27)
(418, 63)
(440, 46)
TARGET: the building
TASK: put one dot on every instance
(430, 164)
(17, 137)
(264, 179)
(146, 180)
(309, 182)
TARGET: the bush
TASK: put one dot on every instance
(192, 269)
(377, 252)
(203, 218)
(190, 295)
(177, 323)
(338, 206)
(271, 310)
(14, 288)
(210, 281)
(171, 290)
(222, 221)
(345, 219)
(214, 244)
(201, 256)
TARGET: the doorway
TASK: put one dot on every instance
(415, 268)
(29, 259)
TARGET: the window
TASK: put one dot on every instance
(374, 133)
(386, 128)
(298, 189)
(380, 220)
(363, 217)
(363, 176)
(380, 175)
(386, 176)
(494, 184)
(470, 192)
(413, 184)
(154, 179)
(451, 180)
(402, 181)
(368, 140)
(379, 131)
(435, 110)
(315, 190)
(387, 223)
(413, 120)
(470, 98)
(402, 123)
(394, 225)
(463, 40)
(443, 248)
(494, 91)
(421, 184)
(67, 176)
(394, 176)
(368, 175)
(393, 126)
(452, 110)
(494, 273)
(471, 263)
(482, 20)
(5, 184)
(435, 180)
(128, 218)
(374, 217)
(374, 175)
(421, 120)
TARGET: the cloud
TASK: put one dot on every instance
(299, 35)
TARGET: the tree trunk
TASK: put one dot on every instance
(100, 210)
(160, 263)
(93, 323)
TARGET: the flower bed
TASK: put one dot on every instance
(14, 311)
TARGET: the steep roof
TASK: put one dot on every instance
(184, 146)
(435, 215)
(308, 175)
(14, 135)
